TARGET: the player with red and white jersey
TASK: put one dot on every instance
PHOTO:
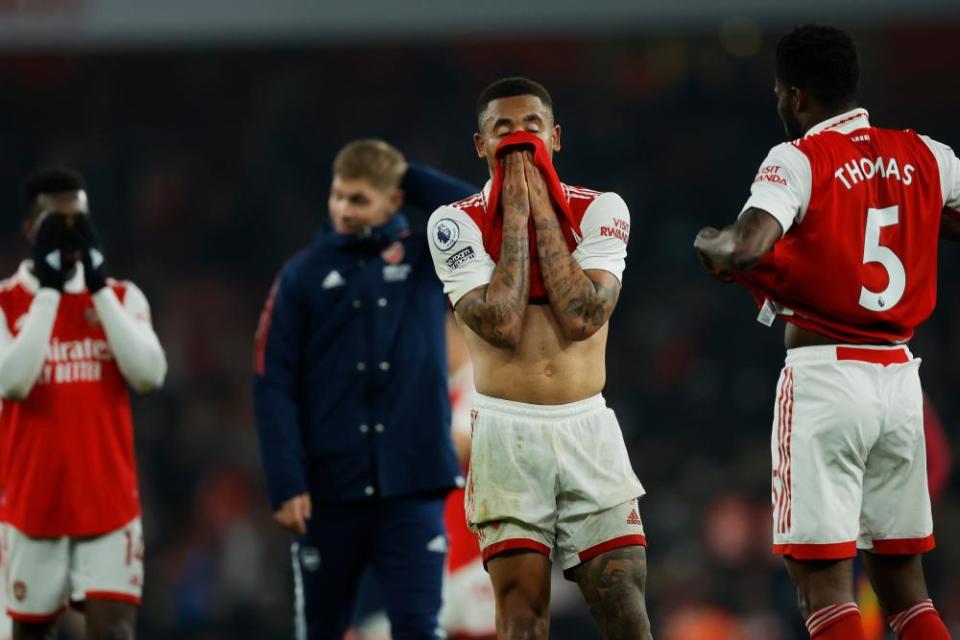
(839, 238)
(71, 341)
(533, 269)
(469, 608)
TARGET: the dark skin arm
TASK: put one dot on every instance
(740, 246)
(950, 225)
(495, 311)
(581, 301)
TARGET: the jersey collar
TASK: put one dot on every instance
(843, 123)
(75, 284)
(485, 193)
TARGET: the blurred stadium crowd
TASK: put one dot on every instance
(208, 168)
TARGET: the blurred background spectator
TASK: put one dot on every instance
(208, 154)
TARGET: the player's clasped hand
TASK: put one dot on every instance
(49, 252)
(91, 253)
(536, 184)
(706, 235)
(516, 197)
(294, 513)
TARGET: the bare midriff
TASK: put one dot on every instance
(545, 368)
(795, 337)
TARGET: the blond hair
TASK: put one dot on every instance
(373, 160)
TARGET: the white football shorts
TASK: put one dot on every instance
(46, 574)
(551, 479)
(849, 459)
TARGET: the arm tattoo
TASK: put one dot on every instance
(613, 586)
(496, 312)
(578, 302)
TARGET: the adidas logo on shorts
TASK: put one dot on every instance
(634, 517)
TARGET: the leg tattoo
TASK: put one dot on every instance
(613, 585)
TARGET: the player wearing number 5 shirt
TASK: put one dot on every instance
(71, 341)
(839, 238)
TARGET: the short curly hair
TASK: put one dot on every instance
(822, 61)
(509, 88)
(52, 180)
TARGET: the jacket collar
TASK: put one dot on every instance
(394, 229)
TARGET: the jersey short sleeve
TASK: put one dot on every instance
(949, 172)
(456, 244)
(606, 229)
(782, 186)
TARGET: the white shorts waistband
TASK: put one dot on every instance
(877, 354)
(547, 411)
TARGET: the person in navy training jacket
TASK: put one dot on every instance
(351, 401)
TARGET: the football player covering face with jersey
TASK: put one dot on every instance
(839, 238)
(539, 371)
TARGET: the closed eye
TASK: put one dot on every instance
(502, 127)
(533, 123)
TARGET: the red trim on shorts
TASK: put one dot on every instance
(835, 551)
(784, 504)
(788, 469)
(632, 540)
(34, 618)
(512, 544)
(781, 455)
(904, 546)
(112, 595)
(876, 356)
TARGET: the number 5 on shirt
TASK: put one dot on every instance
(873, 251)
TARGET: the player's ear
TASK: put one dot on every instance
(556, 137)
(481, 146)
(29, 225)
(799, 100)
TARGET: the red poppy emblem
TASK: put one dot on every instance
(394, 253)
